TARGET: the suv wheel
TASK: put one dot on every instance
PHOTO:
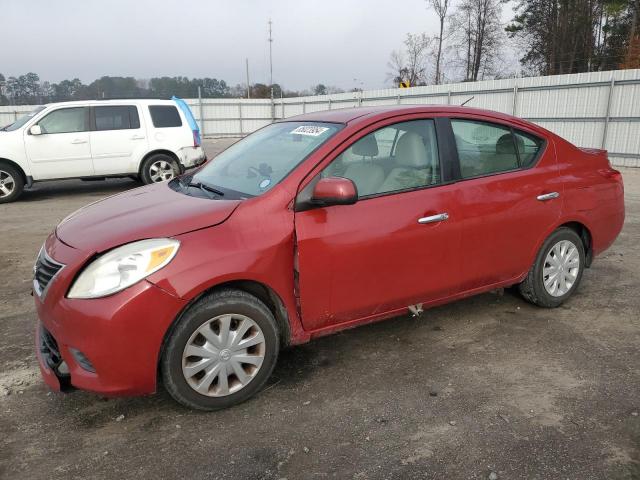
(221, 352)
(11, 183)
(557, 271)
(159, 168)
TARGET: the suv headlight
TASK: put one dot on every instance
(122, 267)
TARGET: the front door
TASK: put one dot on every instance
(62, 149)
(397, 246)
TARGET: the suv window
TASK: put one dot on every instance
(397, 157)
(64, 120)
(165, 116)
(484, 148)
(116, 117)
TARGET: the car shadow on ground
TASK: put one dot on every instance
(98, 188)
(298, 367)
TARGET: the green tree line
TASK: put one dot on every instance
(28, 89)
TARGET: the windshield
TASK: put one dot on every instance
(256, 163)
(22, 120)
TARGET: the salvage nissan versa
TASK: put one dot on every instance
(308, 226)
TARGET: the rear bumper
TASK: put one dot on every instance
(191, 157)
(119, 338)
(608, 219)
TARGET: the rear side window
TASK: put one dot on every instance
(165, 116)
(116, 117)
(528, 148)
(484, 148)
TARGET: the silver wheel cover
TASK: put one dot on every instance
(561, 268)
(7, 184)
(161, 171)
(223, 355)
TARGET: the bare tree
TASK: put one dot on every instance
(440, 7)
(410, 65)
(479, 35)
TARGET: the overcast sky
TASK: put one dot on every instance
(329, 41)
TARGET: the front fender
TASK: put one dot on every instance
(236, 251)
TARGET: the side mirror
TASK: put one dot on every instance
(334, 191)
(35, 130)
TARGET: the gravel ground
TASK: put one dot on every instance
(488, 387)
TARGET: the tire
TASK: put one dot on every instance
(159, 168)
(561, 279)
(11, 183)
(182, 373)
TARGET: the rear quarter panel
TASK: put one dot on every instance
(593, 193)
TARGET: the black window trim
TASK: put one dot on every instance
(513, 130)
(87, 123)
(129, 106)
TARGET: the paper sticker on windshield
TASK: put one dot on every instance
(264, 183)
(311, 130)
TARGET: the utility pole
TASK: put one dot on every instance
(270, 56)
(273, 107)
(248, 84)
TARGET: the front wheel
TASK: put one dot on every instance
(221, 352)
(159, 168)
(557, 271)
(11, 183)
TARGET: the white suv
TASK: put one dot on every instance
(153, 140)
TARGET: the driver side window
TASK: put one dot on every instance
(65, 120)
(397, 157)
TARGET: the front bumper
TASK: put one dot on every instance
(118, 337)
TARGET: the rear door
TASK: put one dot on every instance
(398, 245)
(510, 196)
(118, 140)
(63, 149)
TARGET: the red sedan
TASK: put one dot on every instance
(308, 226)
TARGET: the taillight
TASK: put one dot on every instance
(612, 174)
(196, 139)
(616, 175)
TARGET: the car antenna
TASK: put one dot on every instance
(466, 101)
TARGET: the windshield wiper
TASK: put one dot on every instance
(206, 188)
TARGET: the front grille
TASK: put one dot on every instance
(44, 271)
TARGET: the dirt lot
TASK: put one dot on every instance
(487, 385)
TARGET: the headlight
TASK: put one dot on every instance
(122, 267)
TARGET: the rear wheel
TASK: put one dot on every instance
(221, 352)
(557, 271)
(159, 168)
(11, 183)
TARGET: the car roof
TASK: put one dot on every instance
(118, 101)
(351, 115)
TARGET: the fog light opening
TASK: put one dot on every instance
(82, 360)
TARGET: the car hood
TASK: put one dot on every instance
(147, 212)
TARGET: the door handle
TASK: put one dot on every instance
(548, 196)
(137, 137)
(440, 217)
(78, 141)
